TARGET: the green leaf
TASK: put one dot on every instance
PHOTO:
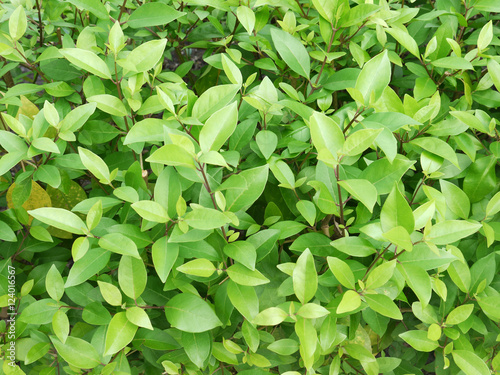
(77, 352)
(305, 278)
(363, 190)
(174, 155)
(284, 346)
(218, 128)
(144, 57)
(418, 340)
(350, 301)
(493, 206)
(449, 231)
(383, 174)
(93, 6)
(54, 283)
(60, 325)
(308, 211)
(243, 276)
(308, 338)
(405, 39)
(164, 255)
(197, 346)
(111, 293)
(459, 314)
(212, 100)
(283, 174)
(342, 272)
(396, 212)
(418, 280)
(438, 147)
(326, 133)
(270, 317)
(374, 77)
(453, 62)
(312, 311)
(39, 312)
(232, 71)
(45, 144)
(189, 313)
(480, 179)
(292, 52)
(119, 334)
(132, 276)
(267, 142)
(77, 117)
(359, 141)
(460, 275)
(243, 189)
(456, 199)
(246, 16)
(60, 218)
(151, 211)
(89, 265)
(485, 37)
(383, 305)
(6, 233)
(139, 317)
(17, 23)
(354, 246)
(95, 165)
(205, 218)
(109, 104)
(86, 60)
(243, 252)
(494, 71)
(399, 237)
(380, 275)
(198, 267)
(470, 363)
(153, 14)
(244, 299)
(120, 244)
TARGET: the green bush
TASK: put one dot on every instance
(252, 187)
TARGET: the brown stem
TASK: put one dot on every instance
(201, 168)
(122, 9)
(40, 24)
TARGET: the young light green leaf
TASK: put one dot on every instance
(418, 280)
(164, 255)
(396, 212)
(119, 334)
(198, 267)
(270, 317)
(308, 211)
(60, 325)
(77, 352)
(305, 278)
(219, 128)
(139, 317)
(470, 363)
(243, 252)
(60, 218)
(95, 164)
(246, 16)
(363, 190)
(17, 23)
(326, 133)
(292, 52)
(374, 77)
(342, 272)
(54, 283)
(231, 70)
(359, 141)
(383, 305)
(109, 104)
(189, 313)
(89, 265)
(87, 60)
(132, 276)
(418, 340)
(205, 218)
(243, 276)
(120, 244)
(459, 314)
(174, 155)
(110, 292)
(144, 57)
(350, 301)
(151, 211)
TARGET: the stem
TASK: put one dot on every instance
(341, 205)
(40, 24)
(122, 9)
(210, 192)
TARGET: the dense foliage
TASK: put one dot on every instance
(252, 187)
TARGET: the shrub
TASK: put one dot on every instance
(270, 186)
